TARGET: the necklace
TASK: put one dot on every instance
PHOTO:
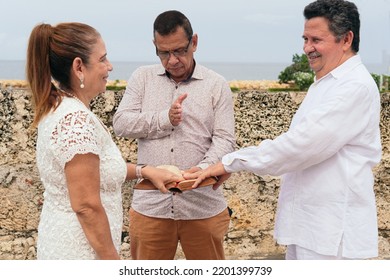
(73, 96)
(81, 102)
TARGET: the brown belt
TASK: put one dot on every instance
(184, 185)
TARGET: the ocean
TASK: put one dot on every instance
(15, 69)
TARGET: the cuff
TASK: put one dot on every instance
(165, 123)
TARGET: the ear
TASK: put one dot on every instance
(78, 68)
(347, 40)
(194, 41)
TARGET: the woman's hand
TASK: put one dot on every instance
(161, 178)
(216, 170)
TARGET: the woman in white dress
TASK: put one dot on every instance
(80, 166)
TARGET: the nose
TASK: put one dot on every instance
(307, 47)
(109, 66)
(172, 59)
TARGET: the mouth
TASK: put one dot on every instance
(174, 69)
(313, 55)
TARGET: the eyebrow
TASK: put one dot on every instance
(170, 50)
(174, 49)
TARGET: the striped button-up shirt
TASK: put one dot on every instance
(202, 138)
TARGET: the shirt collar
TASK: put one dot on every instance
(342, 69)
(196, 73)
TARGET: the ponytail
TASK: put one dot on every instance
(38, 71)
(50, 54)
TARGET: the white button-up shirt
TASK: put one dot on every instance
(326, 158)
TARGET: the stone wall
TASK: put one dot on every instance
(259, 115)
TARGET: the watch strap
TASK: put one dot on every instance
(138, 170)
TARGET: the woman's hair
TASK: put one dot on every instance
(168, 22)
(343, 16)
(50, 55)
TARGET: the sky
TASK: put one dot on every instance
(228, 31)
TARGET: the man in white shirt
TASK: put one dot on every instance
(326, 207)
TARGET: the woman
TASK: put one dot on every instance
(81, 168)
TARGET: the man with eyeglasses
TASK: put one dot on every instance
(182, 115)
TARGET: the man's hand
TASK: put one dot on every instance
(216, 170)
(176, 112)
(192, 170)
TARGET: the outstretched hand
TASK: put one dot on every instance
(176, 112)
(216, 170)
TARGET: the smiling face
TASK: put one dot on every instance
(324, 50)
(179, 66)
(96, 71)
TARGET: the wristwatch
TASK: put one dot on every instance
(138, 171)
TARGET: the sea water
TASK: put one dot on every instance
(15, 69)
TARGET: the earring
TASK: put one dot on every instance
(81, 83)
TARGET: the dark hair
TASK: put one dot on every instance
(343, 16)
(168, 22)
(50, 54)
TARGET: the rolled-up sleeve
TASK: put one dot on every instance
(132, 120)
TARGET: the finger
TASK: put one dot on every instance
(189, 175)
(176, 115)
(175, 119)
(170, 185)
(194, 169)
(162, 188)
(177, 179)
(198, 181)
(181, 98)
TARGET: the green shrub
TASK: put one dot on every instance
(303, 80)
(382, 82)
(115, 87)
(377, 79)
(289, 89)
(300, 64)
(234, 89)
(386, 83)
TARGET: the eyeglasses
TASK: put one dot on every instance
(163, 55)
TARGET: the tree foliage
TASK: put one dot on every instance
(300, 64)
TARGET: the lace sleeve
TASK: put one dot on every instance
(75, 133)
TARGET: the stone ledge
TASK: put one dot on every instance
(259, 115)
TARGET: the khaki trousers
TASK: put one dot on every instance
(157, 239)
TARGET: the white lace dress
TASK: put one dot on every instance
(72, 129)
